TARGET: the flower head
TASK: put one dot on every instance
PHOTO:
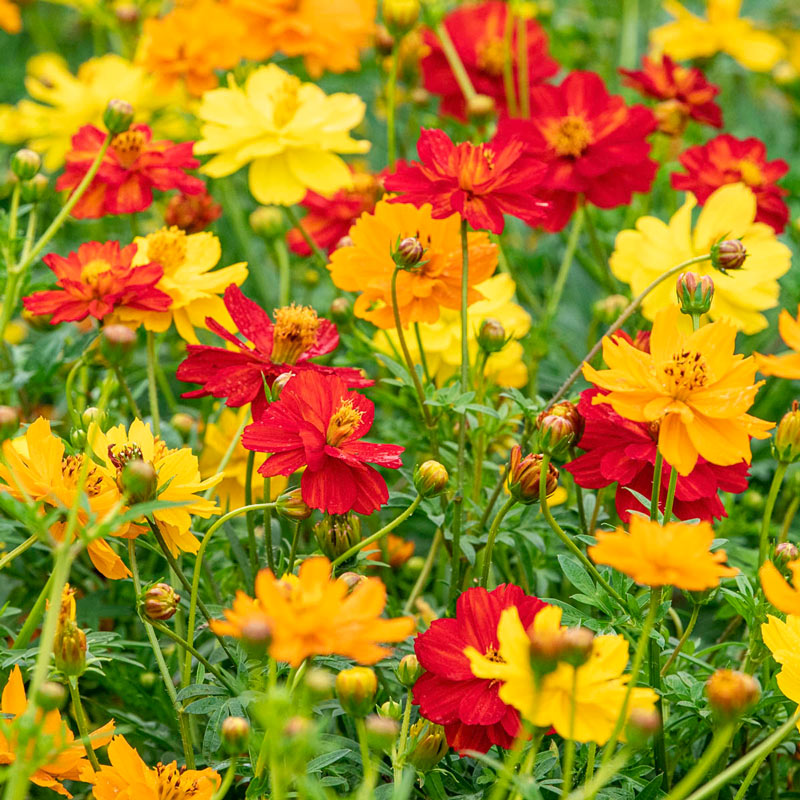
(740, 295)
(693, 385)
(10, 18)
(726, 159)
(480, 182)
(95, 281)
(788, 364)
(478, 32)
(131, 168)
(311, 614)
(394, 551)
(783, 640)
(473, 715)
(367, 266)
(291, 134)
(318, 424)
(675, 554)
(192, 212)
(777, 590)
(239, 371)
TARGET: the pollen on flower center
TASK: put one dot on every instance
(344, 422)
(685, 372)
(128, 146)
(295, 332)
(286, 101)
(490, 55)
(751, 173)
(167, 247)
(173, 784)
(492, 655)
(93, 269)
(121, 455)
(569, 136)
(71, 468)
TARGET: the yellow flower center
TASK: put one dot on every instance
(569, 136)
(295, 331)
(286, 101)
(751, 173)
(167, 247)
(128, 146)
(490, 55)
(684, 373)
(173, 784)
(71, 469)
(343, 422)
(492, 655)
(477, 169)
(91, 271)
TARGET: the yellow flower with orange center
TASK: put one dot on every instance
(693, 385)
(788, 364)
(311, 614)
(675, 554)
(435, 283)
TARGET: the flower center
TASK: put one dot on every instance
(92, 270)
(684, 373)
(344, 421)
(295, 331)
(285, 101)
(173, 784)
(71, 469)
(167, 247)
(128, 146)
(490, 55)
(120, 455)
(751, 173)
(493, 655)
(477, 167)
(569, 136)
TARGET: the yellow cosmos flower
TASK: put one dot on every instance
(288, 132)
(67, 101)
(188, 261)
(216, 440)
(788, 364)
(721, 31)
(599, 684)
(783, 641)
(641, 255)
(178, 478)
(441, 340)
(675, 554)
(776, 588)
(693, 385)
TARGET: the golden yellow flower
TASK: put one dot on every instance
(599, 684)
(776, 588)
(189, 279)
(721, 31)
(783, 641)
(654, 247)
(675, 554)
(290, 133)
(788, 364)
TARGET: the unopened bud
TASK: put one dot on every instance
(430, 745)
(290, 505)
(297, 727)
(786, 446)
(182, 423)
(352, 579)
(408, 253)
(267, 222)
(732, 693)
(391, 709)
(481, 107)
(728, 254)
(235, 732)
(576, 646)
(51, 696)
(160, 602)
(319, 682)
(642, 726)
(139, 481)
(609, 308)
(420, 96)
(381, 732)
(409, 670)
(341, 310)
(279, 384)
(35, 190)
(492, 336)
(118, 116)
(786, 552)
(695, 292)
(356, 688)
(69, 649)
(672, 117)
(524, 476)
(117, 343)
(92, 414)
(430, 478)
(9, 421)
(384, 41)
(310, 277)
(126, 13)
(559, 427)
(25, 163)
(337, 533)
(192, 212)
(256, 635)
(400, 16)
(345, 241)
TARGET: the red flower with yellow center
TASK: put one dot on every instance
(727, 159)
(238, 372)
(96, 280)
(318, 424)
(478, 32)
(684, 92)
(593, 145)
(480, 182)
(447, 693)
(132, 167)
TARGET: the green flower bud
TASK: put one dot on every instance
(25, 163)
(356, 688)
(430, 478)
(118, 116)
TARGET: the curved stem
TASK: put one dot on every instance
(152, 386)
(294, 220)
(391, 103)
(763, 540)
(425, 572)
(18, 550)
(230, 774)
(455, 63)
(134, 408)
(80, 719)
(682, 641)
(35, 614)
(487, 553)
(788, 518)
(719, 744)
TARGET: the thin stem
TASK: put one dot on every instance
(18, 550)
(508, 64)
(33, 618)
(391, 104)
(293, 548)
(673, 482)
(655, 496)
(598, 502)
(152, 386)
(252, 544)
(569, 746)
(455, 63)
(487, 553)
(566, 262)
(400, 750)
(510, 764)
(284, 273)
(579, 498)
(366, 761)
(602, 776)
(132, 405)
(788, 518)
(682, 641)
(294, 220)
(422, 358)
(80, 719)
(719, 744)
(659, 741)
(230, 774)
(523, 78)
(425, 572)
(763, 541)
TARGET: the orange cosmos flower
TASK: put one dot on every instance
(693, 384)
(67, 759)
(675, 554)
(129, 778)
(312, 615)
(395, 552)
(788, 364)
(367, 265)
(776, 588)
(10, 18)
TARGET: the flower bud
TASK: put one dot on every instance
(35, 190)
(118, 116)
(278, 384)
(147, 680)
(191, 212)
(391, 709)
(182, 423)
(126, 13)
(9, 422)
(524, 474)
(267, 222)
(337, 533)
(786, 446)
(492, 336)
(672, 117)
(290, 505)
(117, 343)
(642, 725)
(430, 745)
(25, 163)
(576, 646)
(51, 696)
(381, 732)
(138, 481)
(545, 649)
(695, 292)
(728, 254)
(559, 427)
(409, 670)
(69, 648)
(160, 602)
(356, 688)
(609, 308)
(384, 41)
(352, 579)
(235, 733)
(430, 478)
(400, 16)
(732, 693)
(341, 310)
(481, 107)
(319, 683)
(256, 635)
(92, 414)
(345, 241)
(310, 277)
(786, 552)
(297, 726)
(408, 253)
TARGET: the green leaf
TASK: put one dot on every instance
(576, 574)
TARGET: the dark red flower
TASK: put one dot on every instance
(726, 159)
(96, 280)
(132, 167)
(480, 182)
(473, 715)
(478, 33)
(192, 213)
(684, 92)
(619, 450)
(286, 345)
(317, 423)
(592, 143)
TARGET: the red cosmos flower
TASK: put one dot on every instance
(132, 167)
(317, 424)
(192, 213)
(624, 451)
(480, 182)
(592, 143)
(726, 159)
(96, 280)
(286, 345)
(478, 34)
(447, 693)
(684, 90)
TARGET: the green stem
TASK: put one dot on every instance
(763, 541)
(391, 102)
(508, 64)
(366, 761)
(268, 544)
(152, 386)
(510, 763)
(788, 518)
(654, 497)
(487, 553)
(719, 744)
(230, 774)
(569, 746)
(659, 741)
(400, 750)
(293, 548)
(566, 264)
(68, 393)
(134, 408)
(252, 544)
(281, 255)
(682, 641)
(673, 482)
(422, 358)
(294, 221)
(18, 550)
(80, 719)
(579, 497)
(32, 620)
(425, 572)
(455, 63)
(602, 776)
